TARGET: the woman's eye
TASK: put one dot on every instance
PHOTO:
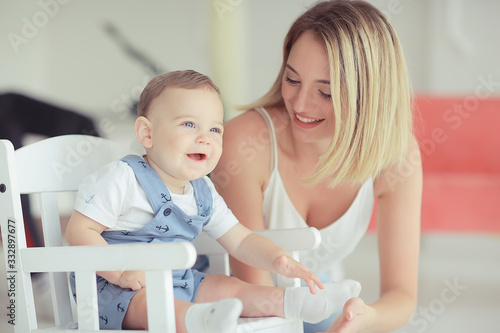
(216, 130)
(289, 80)
(325, 95)
(188, 124)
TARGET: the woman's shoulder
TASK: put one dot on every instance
(246, 149)
(247, 129)
(255, 123)
(245, 122)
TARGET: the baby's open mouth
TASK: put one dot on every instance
(197, 156)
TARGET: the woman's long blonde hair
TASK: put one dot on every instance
(370, 89)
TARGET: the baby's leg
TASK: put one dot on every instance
(216, 317)
(261, 301)
(258, 301)
(136, 317)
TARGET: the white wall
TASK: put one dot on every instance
(464, 46)
(68, 58)
(72, 60)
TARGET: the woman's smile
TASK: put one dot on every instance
(306, 122)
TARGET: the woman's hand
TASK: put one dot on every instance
(291, 268)
(351, 318)
(134, 280)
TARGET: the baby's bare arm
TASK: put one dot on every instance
(260, 252)
(82, 230)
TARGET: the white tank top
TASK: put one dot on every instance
(337, 239)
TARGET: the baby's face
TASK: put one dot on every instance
(187, 133)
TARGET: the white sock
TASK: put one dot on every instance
(299, 303)
(216, 317)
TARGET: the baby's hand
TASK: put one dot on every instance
(134, 280)
(291, 268)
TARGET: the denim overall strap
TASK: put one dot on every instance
(158, 194)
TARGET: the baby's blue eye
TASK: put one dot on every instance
(215, 130)
(189, 124)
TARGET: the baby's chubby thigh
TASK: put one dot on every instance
(136, 316)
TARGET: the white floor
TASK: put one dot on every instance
(459, 284)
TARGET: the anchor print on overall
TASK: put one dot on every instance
(170, 224)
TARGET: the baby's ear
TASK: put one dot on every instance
(143, 131)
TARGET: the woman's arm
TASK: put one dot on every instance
(399, 195)
(240, 177)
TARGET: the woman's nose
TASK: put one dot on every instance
(302, 99)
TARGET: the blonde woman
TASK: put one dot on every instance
(333, 134)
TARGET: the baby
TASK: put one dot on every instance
(165, 196)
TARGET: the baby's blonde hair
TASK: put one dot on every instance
(370, 89)
(187, 79)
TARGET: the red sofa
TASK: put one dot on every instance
(460, 145)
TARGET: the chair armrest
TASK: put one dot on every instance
(86, 260)
(179, 255)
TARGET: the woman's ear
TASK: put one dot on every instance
(143, 132)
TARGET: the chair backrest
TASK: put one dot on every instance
(45, 168)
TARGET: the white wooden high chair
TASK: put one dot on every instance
(59, 164)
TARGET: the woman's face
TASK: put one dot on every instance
(306, 91)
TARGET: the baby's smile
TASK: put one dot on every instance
(197, 156)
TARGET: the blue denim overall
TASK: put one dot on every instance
(170, 224)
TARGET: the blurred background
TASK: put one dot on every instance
(91, 60)
(79, 53)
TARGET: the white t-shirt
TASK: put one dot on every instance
(113, 197)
